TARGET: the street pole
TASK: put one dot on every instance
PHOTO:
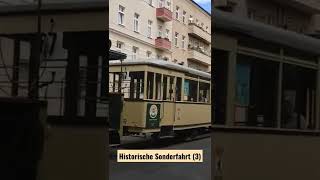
(35, 57)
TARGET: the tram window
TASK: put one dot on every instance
(178, 89)
(165, 87)
(111, 85)
(158, 86)
(204, 92)
(114, 82)
(150, 79)
(136, 85)
(190, 90)
(171, 88)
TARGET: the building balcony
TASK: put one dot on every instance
(164, 14)
(163, 44)
(198, 56)
(199, 33)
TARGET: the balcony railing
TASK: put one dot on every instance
(199, 32)
(162, 43)
(196, 55)
(164, 14)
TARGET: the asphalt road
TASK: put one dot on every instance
(163, 171)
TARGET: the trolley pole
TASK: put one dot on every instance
(122, 101)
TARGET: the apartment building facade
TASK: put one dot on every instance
(192, 35)
(301, 16)
(161, 29)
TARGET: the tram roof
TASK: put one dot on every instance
(229, 22)
(162, 63)
(115, 55)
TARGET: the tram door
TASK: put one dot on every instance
(169, 98)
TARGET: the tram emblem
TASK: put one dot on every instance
(153, 115)
(153, 111)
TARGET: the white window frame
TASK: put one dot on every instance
(149, 29)
(160, 31)
(168, 4)
(121, 15)
(136, 22)
(191, 19)
(167, 33)
(161, 3)
(176, 39)
(177, 13)
(183, 42)
(134, 52)
(184, 13)
(121, 46)
(149, 53)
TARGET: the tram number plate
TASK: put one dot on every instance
(153, 115)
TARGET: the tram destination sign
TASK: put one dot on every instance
(153, 115)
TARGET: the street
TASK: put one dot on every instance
(160, 171)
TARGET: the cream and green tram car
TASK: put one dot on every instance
(161, 98)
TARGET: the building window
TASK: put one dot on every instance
(202, 25)
(121, 15)
(190, 19)
(161, 3)
(149, 54)
(134, 52)
(136, 22)
(160, 31)
(165, 59)
(183, 42)
(184, 17)
(197, 22)
(167, 33)
(177, 13)
(119, 45)
(149, 28)
(207, 28)
(168, 4)
(175, 61)
(150, 2)
(176, 39)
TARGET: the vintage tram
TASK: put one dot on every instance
(161, 98)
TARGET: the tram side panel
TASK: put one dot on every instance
(192, 115)
(134, 116)
(149, 117)
(144, 117)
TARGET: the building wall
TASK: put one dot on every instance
(199, 16)
(130, 39)
(126, 33)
